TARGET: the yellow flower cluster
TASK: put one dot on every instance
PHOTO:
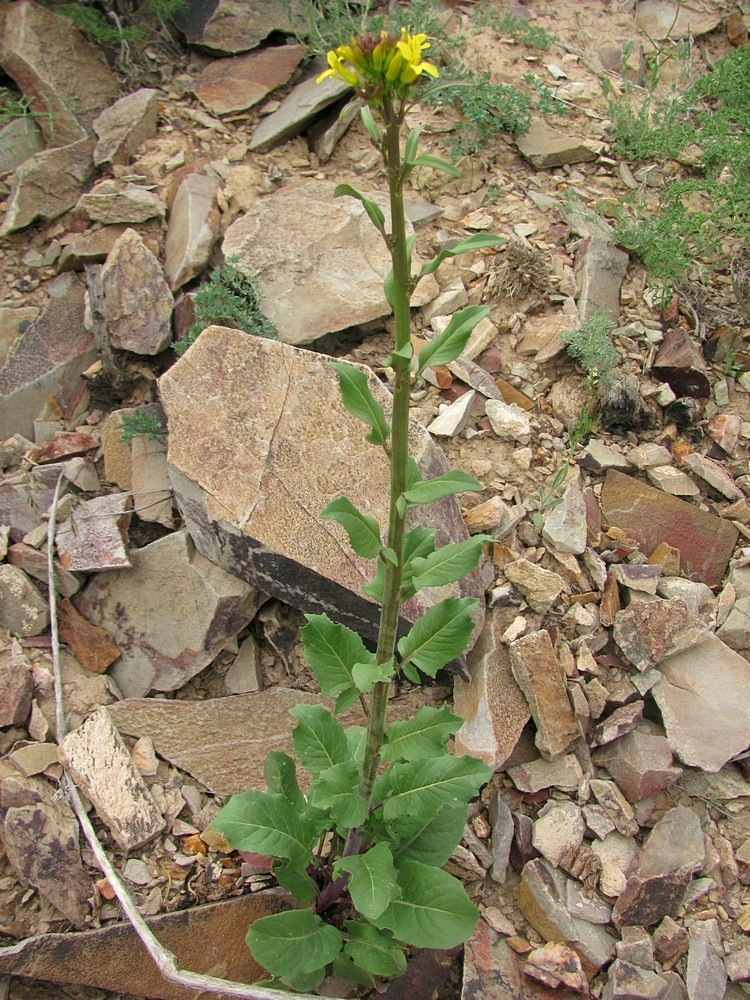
(371, 62)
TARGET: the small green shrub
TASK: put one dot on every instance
(141, 423)
(228, 298)
(112, 23)
(590, 346)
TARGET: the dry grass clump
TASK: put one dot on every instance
(522, 270)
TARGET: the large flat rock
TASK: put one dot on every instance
(273, 446)
(318, 260)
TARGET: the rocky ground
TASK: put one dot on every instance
(609, 683)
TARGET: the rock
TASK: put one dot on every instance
(617, 724)
(262, 523)
(537, 670)
(557, 965)
(493, 515)
(508, 421)
(640, 763)
(617, 854)
(13, 322)
(16, 686)
(50, 59)
(152, 493)
(738, 965)
(617, 807)
(34, 758)
(648, 456)
(671, 854)
(92, 247)
(648, 632)
(544, 336)
(136, 303)
(705, 542)
(714, 474)
(232, 26)
(697, 596)
(209, 739)
(598, 457)
(558, 831)
(600, 270)
(627, 981)
(34, 563)
(546, 147)
(25, 499)
(93, 647)
(163, 646)
(450, 298)
(541, 587)
(93, 537)
(23, 610)
(318, 260)
(300, 107)
(706, 976)
(724, 429)
(324, 135)
(83, 691)
(701, 692)
(192, 230)
(541, 898)
(125, 126)
(113, 958)
(563, 773)
(19, 140)
(673, 481)
(636, 946)
(100, 763)
(246, 673)
(661, 19)
(41, 844)
(491, 704)
(493, 969)
(565, 527)
(735, 631)
(621, 405)
(642, 579)
(115, 201)
(239, 83)
(454, 418)
(680, 363)
(502, 830)
(48, 184)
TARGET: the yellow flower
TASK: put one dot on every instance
(375, 64)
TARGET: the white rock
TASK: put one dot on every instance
(508, 421)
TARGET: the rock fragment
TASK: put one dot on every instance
(537, 670)
(714, 474)
(454, 418)
(125, 125)
(48, 184)
(565, 527)
(23, 610)
(557, 965)
(558, 831)
(112, 201)
(508, 421)
(648, 632)
(673, 481)
(600, 269)
(93, 647)
(640, 763)
(16, 687)
(300, 107)
(19, 140)
(680, 363)
(546, 147)
(230, 26)
(239, 83)
(192, 229)
(94, 536)
(706, 976)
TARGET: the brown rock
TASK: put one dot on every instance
(557, 965)
(233, 25)
(64, 76)
(620, 722)
(610, 603)
(124, 126)
(600, 269)
(537, 670)
(705, 542)
(16, 687)
(34, 562)
(640, 763)
(491, 704)
(724, 429)
(667, 557)
(714, 474)
(112, 201)
(192, 230)
(546, 147)
(647, 632)
(541, 587)
(92, 247)
(680, 363)
(93, 537)
(23, 610)
(617, 807)
(205, 939)
(239, 83)
(94, 648)
(262, 523)
(19, 140)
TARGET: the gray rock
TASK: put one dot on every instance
(697, 596)
(98, 759)
(600, 270)
(617, 807)
(647, 632)
(539, 674)
(546, 147)
(599, 457)
(246, 673)
(541, 587)
(19, 140)
(565, 527)
(233, 26)
(735, 631)
(124, 126)
(501, 820)
(454, 418)
(136, 303)
(114, 201)
(152, 491)
(627, 981)
(706, 976)
(318, 260)
(64, 76)
(48, 184)
(714, 474)
(94, 537)
(647, 456)
(164, 645)
(673, 481)
(640, 763)
(299, 108)
(508, 421)
(192, 229)
(672, 853)
(16, 687)
(661, 19)
(558, 830)
(23, 610)
(704, 691)
(563, 773)
(262, 523)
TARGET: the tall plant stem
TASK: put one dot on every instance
(399, 453)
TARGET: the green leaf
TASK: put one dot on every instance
(374, 211)
(293, 943)
(356, 738)
(300, 884)
(476, 242)
(374, 949)
(363, 531)
(345, 967)
(370, 125)
(448, 564)
(267, 824)
(389, 556)
(413, 475)
(367, 674)
(430, 490)
(332, 649)
(360, 402)
(305, 982)
(346, 699)
(420, 787)
(408, 671)
(280, 773)
(389, 287)
(412, 141)
(435, 163)
(447, 346)
(440, 635)
(318, 738)
(433, 910)
(406, 353)
(421, 737)
(373, 884)
(429, 839)
(375, 587)
(335, 789)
